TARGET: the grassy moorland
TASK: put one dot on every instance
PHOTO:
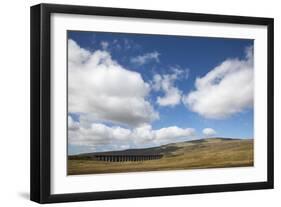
(204, 153)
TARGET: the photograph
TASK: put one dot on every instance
(156, 102)
(133, 103)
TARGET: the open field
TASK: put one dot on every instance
(205, 153)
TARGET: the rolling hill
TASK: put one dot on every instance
(195, 154)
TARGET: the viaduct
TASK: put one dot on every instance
(126, 158)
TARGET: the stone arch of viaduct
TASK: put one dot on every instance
(126, 158)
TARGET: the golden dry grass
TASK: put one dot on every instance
(211, 153)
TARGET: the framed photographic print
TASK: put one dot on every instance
(133, 103)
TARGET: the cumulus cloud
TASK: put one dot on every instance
(225, 90)
(166, 83)
(99, 86)
(170, 133)
(100, 136)
(209, 132)
(145, 58)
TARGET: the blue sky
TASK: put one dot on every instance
(179, 63)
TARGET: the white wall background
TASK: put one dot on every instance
(14, 102)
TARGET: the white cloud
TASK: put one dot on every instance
(72, 125)
(124, 44)
(166, 83)
(76, 55)
(173, 132)
(104, 45)
(209, 132)
(99, 86)
(99, 136)
(148, 57)
(225, 90)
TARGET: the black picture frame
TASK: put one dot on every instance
(41, 103)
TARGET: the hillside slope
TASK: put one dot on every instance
(204, 153)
